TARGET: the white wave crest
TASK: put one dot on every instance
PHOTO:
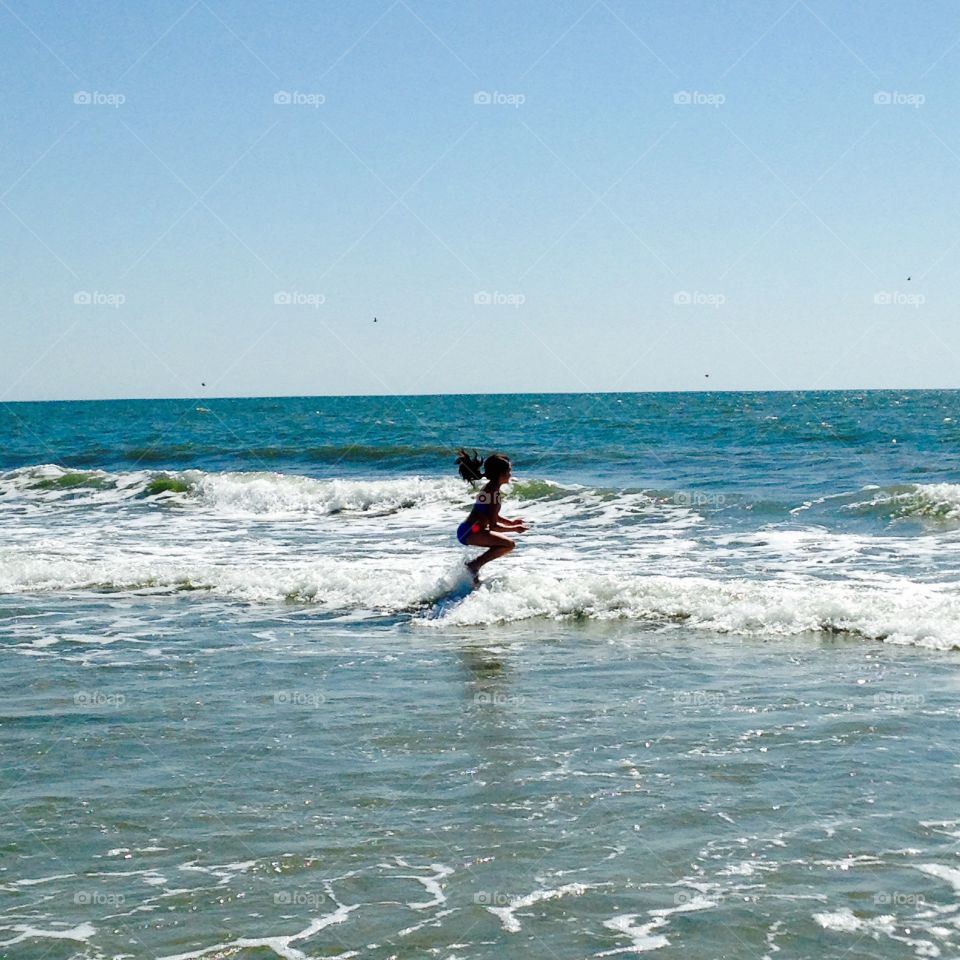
(936, 502)
(232, 493)
(903, 612)
(276, 493)
(896, 610)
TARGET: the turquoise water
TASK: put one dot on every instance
(707, 708)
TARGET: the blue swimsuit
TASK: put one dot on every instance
(466, 528)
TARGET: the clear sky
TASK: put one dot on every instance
(549, 195)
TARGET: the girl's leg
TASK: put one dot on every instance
(498, 546)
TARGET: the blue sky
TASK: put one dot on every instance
(591, 195)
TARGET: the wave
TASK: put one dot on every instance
(903, 612)
(263, 492)
(255, 492)
(894, 610)
(934, 504)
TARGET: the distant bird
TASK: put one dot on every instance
(202, 384)
(374, 319)
(908, 278)
(706, 374)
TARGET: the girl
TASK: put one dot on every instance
(478, 529)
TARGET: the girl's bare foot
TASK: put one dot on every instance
(473, 574)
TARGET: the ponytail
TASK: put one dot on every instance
(471, 468)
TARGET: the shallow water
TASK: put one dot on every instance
(707, 708)
(282, 783)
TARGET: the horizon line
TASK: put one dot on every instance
(485, 393)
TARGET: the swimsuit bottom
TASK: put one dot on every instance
(465, 529)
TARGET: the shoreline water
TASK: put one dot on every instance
(564, 789)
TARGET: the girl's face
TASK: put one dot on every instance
(505, 478)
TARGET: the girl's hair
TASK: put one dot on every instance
(472, 469)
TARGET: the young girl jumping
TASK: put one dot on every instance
(478, 529)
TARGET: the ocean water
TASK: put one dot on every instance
(707, 708)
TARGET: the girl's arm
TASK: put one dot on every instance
(502, 523)
(496, 521)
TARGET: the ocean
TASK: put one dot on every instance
(708, 707)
